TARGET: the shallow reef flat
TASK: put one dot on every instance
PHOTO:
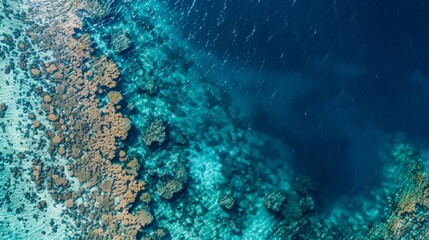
(109, 129)
(21, 214)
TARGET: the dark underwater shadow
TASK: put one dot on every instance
(333, 142)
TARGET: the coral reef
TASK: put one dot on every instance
(114, 97)
(275, 201)
(107, 191)
(213, 176)
(173, 181)
(155, 133)
(169, 188)
(227, 202)
(120, 42)
(98, 8)
(202, 134)
(408, 207)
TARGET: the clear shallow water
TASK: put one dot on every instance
(271, 120)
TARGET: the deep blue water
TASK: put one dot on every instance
(329, 78)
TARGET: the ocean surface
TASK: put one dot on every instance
(214, 119)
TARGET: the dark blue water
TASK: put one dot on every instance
(329, 78)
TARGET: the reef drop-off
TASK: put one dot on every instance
(111, 129)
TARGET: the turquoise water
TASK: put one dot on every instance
(248, 120)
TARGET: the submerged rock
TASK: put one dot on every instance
(7, 69)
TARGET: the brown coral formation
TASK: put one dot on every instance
(36, 124)
(35, 72)
(56, 140)
(114, 97)
(52, 117)
(47, 99)
(69, 203)
(61, 151)
(86, 134)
